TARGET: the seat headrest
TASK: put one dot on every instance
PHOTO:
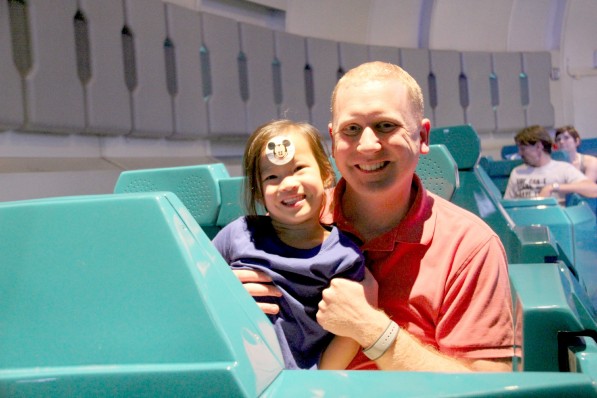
(196, 186)
(462, 141)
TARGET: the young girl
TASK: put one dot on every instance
(287, 173)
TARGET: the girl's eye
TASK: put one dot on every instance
(269, 177)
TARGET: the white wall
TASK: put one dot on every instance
(38, 165)
(578, 46)
(567, 28)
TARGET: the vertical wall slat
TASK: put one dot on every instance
(509, 112)
(322, 56)
(258, 45)
(225, 107)
(445, 65)
(190, 109)
(352, 55)
(11, 95)
(477, 68)
(416, 62)
(54, 94)
(151, 104)
(537, 66)
(385, 54)
(107, 97)
(291, 54)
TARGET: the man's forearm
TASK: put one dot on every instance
(409, 354)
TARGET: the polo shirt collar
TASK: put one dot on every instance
(417, 226)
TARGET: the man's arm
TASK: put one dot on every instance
(345, 310)
(585, 188)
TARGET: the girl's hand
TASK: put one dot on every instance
(258, 284)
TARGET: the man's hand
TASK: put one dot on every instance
(258, 284)
(347, 307)
(546, 191)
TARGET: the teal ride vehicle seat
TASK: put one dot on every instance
(196, 186)
(124, 295)
(549, 302)
(479, 195)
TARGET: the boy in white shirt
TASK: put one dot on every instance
(539, 170)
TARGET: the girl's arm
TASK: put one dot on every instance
(339, 353)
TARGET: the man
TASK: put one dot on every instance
(437, 297)
(540, 170)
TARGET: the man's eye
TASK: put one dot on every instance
(385, 127)
(352, 129)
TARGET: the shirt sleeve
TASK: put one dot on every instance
(352, 264)
(509, 193)
(355, 272)
(575, 175)
(222, 242)
(478, 307)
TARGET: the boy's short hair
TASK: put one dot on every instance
(534, 134)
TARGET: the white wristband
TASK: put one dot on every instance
(555, 187)
(387, 338)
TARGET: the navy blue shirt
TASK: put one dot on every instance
(300, 274)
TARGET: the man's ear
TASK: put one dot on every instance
(424, 136)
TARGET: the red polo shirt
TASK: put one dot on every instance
(443, 276)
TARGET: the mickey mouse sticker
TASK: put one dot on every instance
(280, 150)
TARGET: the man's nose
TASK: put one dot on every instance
(369, 141)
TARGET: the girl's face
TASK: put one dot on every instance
(566, 142)
(293, 192)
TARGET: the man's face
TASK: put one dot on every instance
(376, 138)
(531, 153)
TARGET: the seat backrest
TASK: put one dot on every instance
(499, 170)
(544, 211)
(196, 186)
(232, 207)
(588, 146)
(118, 291)
(438, 171)
(509, 152)
(479, 195)
(560, 155)
(462, 141)
(548, 300)
(574, 199)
